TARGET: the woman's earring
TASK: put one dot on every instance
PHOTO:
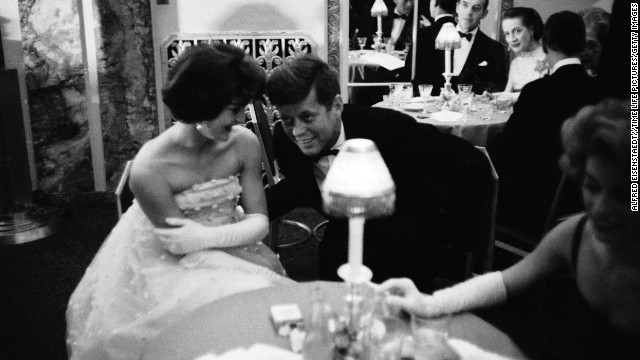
(198, 126)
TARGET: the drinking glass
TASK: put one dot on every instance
(407, 93)
(387, 101)
(464, 88)
(503, 101)
(425, 93)
(386, 333)
(483, 107)
(430, 337)
(361, 42)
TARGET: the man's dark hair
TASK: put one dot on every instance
(207, 78)
(564, 32)
(529, 17)
(447, 5)
(486, 4)
(292, 82)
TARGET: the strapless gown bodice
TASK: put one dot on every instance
(134, 287)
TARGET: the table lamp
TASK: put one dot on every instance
(448, 39)
(358, 186)
(379, 9)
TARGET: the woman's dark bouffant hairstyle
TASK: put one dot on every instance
(564, 32)
(602, 130)
(292, 82)
(529, 17)
(207, 78)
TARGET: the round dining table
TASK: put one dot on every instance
(244, 319)
(470, 127)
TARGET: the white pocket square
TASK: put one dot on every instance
(484, 63)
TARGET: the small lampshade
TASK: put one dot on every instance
(448, 38)
(358, 182)
(379, 9)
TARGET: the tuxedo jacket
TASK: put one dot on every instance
(526, 152)
(437, 177)
(429, 60)
(485, 67)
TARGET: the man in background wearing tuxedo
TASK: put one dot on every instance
(480, 61)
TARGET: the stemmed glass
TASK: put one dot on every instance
(361, 42)
(425, 94)
(466, 98)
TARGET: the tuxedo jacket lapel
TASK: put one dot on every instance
(474, 55)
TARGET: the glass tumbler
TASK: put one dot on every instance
(430, 337)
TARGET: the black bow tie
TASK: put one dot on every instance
(324, 153)
(467, 36)
(398, 16)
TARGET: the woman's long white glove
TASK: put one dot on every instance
(191, 236)
(481, 291)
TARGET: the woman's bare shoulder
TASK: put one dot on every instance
(559, 239)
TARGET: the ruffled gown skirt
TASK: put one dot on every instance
(134, 288)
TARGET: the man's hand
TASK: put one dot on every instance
(424, 22)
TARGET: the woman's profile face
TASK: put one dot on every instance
(218, 129)
(606, 195)
(518, 36)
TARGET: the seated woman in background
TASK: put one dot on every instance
(522, 29)
(183, 242)
(596, 22)
(588, 266)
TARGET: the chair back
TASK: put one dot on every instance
(482, 262)
(124, 196)
(262, 130)
(567, 201)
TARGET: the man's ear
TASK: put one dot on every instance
(337, 105)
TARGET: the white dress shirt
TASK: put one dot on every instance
(460, 55)
(321, 167)
(563, 62)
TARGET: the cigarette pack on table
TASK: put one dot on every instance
(286, 317)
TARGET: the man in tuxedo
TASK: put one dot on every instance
(429, 60)
(526, 153)
(432, 172)
(480, 61)
(398, 26)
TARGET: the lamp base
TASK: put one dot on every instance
(355, 277)
(27, 224)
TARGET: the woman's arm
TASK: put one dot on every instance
(253, 199)
(549, 257)
(191, 236)
(151, 189)
(509, 86)
(489, 289)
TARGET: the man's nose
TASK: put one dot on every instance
(298, 128)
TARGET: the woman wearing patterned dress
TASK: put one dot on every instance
(184, 242)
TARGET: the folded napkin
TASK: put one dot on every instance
(255, 352)
(468, 351)
(446, 116)
(387, 61)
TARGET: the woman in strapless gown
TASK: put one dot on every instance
(186, 240)
(522, 28)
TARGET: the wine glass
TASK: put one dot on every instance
(361, 42)
(425, 94)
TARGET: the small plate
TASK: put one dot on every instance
(412, 106)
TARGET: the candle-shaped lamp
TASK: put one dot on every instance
(378, 10)
(448, 39)
(358, 186)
